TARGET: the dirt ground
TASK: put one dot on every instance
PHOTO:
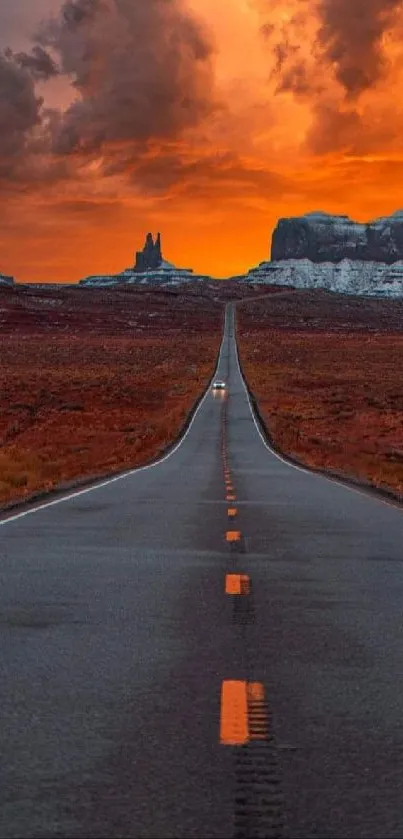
(326, 370)
(95, 381)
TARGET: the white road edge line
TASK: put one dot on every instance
(307, 471)
(134, 471)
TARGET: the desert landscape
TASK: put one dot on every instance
(325, 371)
(201, 574)
(97, 381)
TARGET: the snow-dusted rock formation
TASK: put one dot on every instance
(346, 277)
(150, 269)
(166, 275)
(5, 280)
(319, 250)
(321, 237)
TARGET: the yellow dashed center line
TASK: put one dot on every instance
(233, 535)
(237, 584)
(243, 713)
(255, 692)
(234, 730)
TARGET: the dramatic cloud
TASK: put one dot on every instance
(335, 58)
(202, 118)
(345, 39)
(140, 70)
(19, 111)
(351, 34)
(39, 64)
(206, 174)
(290, 40)
(352, 39)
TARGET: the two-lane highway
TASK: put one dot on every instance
(208, 647)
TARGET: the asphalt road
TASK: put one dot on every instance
(117, 637)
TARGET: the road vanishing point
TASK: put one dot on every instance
(210, 646)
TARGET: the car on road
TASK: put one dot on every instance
(219, 385)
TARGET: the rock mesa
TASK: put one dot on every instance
(321, 237)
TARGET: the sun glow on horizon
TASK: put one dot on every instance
(258, 114)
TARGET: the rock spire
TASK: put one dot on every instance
(150, 258)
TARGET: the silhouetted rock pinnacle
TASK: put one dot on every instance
(150, 257)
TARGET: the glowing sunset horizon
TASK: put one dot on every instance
(206, 121)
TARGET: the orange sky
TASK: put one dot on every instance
(207, 125)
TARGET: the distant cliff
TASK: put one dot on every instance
(5, 280)
(349, 276)
(321, 237)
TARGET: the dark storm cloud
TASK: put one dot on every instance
(351, 34)
(291, 70)
(327, 53)
(284, 52)
(296, 79)
(350, 42)
(348, 45)
(39, 64)
(141, 70)
(20, 111)
(211, 175)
